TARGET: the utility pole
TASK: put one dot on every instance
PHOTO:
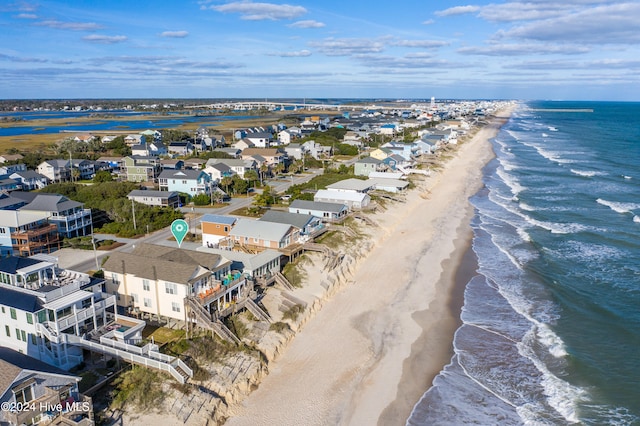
(133, 210)
(95, 253)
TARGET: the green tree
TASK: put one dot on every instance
(240, 186)
(266, 198)
(251, 176)
(102, 176)
(201, 199)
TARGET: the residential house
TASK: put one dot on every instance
(381, 153)
(351, 185)
(27, 233)
(388, 129)
(132, 140)
(7, 158)
(239, 134)
(71, 218)
(307, 224)
(215, 228)
(316, 150)
(396, 162)
(55, 170)
(243, 144)
(111, 164)
(27, 382)
(237, 165)
(139, 168)
(155, 198)
(9, 185)
(141, 150)
(86, 138)
(287, 136)
(257, 266)
(367, 165)
(218, 171)
(85, 169)
(295, 150)
(172, 164)
(260, 139)
(258, 235)
(354, 138)
(328, 212)
(159, 280)
(194, 163)
(157, 148)
(232, 152)
(389, 185)
(405, 150)
(181, 148)
(192, 182)
(9, 169)
(30, 180)
(271, 156)
(42, 307)
(352, 199)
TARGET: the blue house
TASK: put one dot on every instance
(192, 182)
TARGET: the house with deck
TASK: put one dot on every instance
(192, 182)
(27, 233)
(55, 170)
(258, 235)
(137, 168)
(155, 198)
(28, 382)
(29, 180)
(308, 226)
(352, 199)
(327, 212)
(367, 165)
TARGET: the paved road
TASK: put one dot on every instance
(84, 260)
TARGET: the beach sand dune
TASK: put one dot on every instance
(370, 353)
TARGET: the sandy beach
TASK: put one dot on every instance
(370, 353)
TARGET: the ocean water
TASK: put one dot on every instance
(550, 329)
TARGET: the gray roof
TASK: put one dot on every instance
(262, 230)
(165, 263)
(352, 184)
(16, 219)
(245, 261)
(19, 300)
(231, 162)
(300, 221)
(51, 203)
(29, 174)
(369, 160)
(181, 174)
(218, 218)
(317, 205)
(149, 193)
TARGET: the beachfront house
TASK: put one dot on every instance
(192, 182)
(159, 281)
(309, 226)
(155, 198)
(389, 185)
(215, 228)
(351, 185)
(352, 199)
(30, 383)
(258, 235)
(255, 265)
(328, 212)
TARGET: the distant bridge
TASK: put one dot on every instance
(274, 106)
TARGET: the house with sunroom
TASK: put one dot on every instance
(192, 182)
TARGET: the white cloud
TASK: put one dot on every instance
(518, 49)
(298, 54)
(458, 10)
(174, 34)
(103, 39)
(424, 44)
(260, 11)
(347, 46)
(609, 24)
(27, 16)
(73, 26)
(307, 24)
(428, 22)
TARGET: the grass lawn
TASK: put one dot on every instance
(161, 335)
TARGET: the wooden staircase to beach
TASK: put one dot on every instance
(204, 320)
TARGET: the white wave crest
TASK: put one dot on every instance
(636, 219)
(619, 207)
(587, 173)
(511, 182)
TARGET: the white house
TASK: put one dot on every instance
(352, 199)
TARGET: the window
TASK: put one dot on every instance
(7, 330)
(29, 318)
(147, 302)
(145, 285)
(13, 314)
(24, 395)
(34, 341)
(175, 306)
(3, 306)
(23, 334)
(171, 288)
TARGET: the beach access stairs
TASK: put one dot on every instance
(204, 319)
(414, 171)
(282, 280)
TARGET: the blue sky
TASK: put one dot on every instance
(538, 49)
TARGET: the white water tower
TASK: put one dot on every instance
(433, 102)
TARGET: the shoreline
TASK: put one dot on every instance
(373, 350)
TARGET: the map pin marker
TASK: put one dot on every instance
(179, 229)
